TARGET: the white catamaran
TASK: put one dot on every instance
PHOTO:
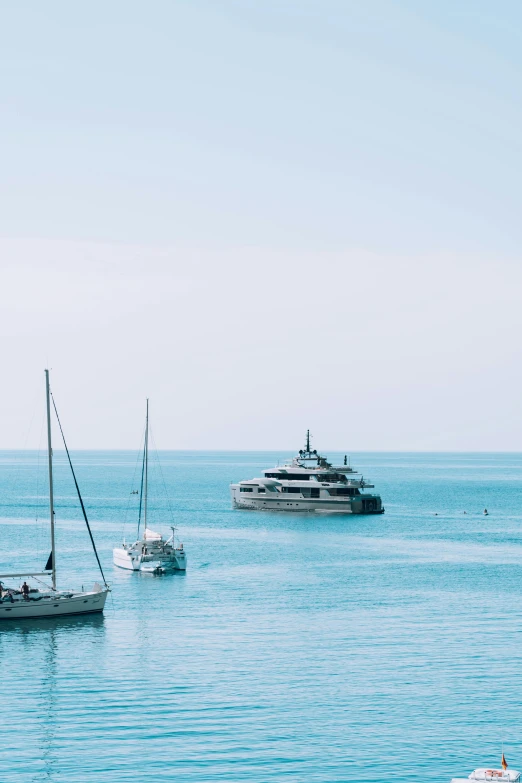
(152, 553)
(28, 602)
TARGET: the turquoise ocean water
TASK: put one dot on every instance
(296, 647)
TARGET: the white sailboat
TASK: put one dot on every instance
(28, 602)
(151, 553)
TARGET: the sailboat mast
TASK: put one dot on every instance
(51, 493)
(146, 467)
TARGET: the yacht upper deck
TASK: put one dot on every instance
(308, 465)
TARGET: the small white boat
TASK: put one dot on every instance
(29, 602)
(490, 774)
(151, 553)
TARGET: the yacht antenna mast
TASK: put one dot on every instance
(308, 441)
(51, 494)
(146, 469)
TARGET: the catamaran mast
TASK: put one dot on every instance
(51, 495)
(146, 468)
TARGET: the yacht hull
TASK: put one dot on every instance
(491, 776)
(83, 603)
(369, 505)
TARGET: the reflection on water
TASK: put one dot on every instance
(31, 653)
(50, 627)
(48, 703)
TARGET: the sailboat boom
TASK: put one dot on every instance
(31, 573)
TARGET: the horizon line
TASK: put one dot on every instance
(271, 451)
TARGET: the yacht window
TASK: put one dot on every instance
(295, 490)
(288, 476)
(314, 492)
(246, 489)
(261, 489)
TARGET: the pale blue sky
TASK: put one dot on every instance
(183, 181)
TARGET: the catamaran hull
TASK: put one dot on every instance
(86, 603)
(123, 559)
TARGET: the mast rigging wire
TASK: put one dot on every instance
(141, 488)
(156, 453)
(79, 493)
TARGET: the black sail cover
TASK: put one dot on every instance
(49, 564)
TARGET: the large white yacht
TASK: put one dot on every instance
(308, 482)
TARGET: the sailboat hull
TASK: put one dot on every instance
(52, 606)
